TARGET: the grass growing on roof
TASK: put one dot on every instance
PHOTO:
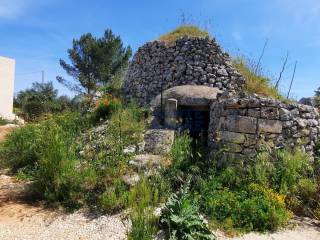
(182, 31)
(256, 82)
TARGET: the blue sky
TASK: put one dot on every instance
(37, 33)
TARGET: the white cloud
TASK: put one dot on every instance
(303, 11)
(237, 35)
(13, 9)
(10, 9)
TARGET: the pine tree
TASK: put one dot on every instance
(94, 62)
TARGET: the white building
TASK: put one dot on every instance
(7, 72)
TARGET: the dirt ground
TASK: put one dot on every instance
(20, 220)
(4, 130)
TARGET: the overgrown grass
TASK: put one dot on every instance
(24, 146)
(142, 199)
(256, 82)
(184, 31)
(48, 154)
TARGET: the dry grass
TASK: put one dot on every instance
(4, 131)
(183, 31)
(256, 83)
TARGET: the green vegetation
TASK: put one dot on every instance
(257, 197)
(40, 99)
(182, 219)
(142, 199)
(3, 122)
(104, 107)
(94, 62)
(255, 81)
(77, 159)
(317, 97)
(317, 92)
(184, 31)
(249, 208)
(48, 153)
(72, 164)
(25, 146)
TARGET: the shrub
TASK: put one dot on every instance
(43, 152)
(127, 125)
(41, 99)
(289, 168)
(182, 219)
(252, 208)
(304, 198)
(252, 197)
(57, 179)
(22, 148)
(47, 153)
(3, 121)
(32, 110)
(184, 31)
(55, 173)
(104, 107)
(102, 147)
(256, 82)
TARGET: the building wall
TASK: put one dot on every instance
(244, 126)
(7, 72)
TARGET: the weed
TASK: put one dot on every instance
(184, 31)
(142, 199)
(182, 219)
(256, 82)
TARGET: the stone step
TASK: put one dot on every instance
(158, 141)
(146, 162)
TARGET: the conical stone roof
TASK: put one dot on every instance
(159, 66)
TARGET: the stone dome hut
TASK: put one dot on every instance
(158, 66)
(182, 82)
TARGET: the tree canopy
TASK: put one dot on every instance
(94, 62)
(40, 98)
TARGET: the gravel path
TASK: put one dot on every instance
(21, 221)
(301, 229)
(74, 226)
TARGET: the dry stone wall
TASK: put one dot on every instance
(188, 61)
(247, 124)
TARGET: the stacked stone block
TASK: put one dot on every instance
(189, 61)
(246, 125)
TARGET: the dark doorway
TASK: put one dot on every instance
(196, 121)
